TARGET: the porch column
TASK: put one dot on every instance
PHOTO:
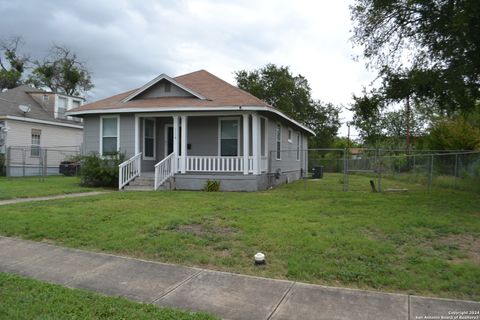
(176, 130)
(183, 167)
(137, 134)
(246, 145)
(256, 143)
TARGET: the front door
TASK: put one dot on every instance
(169, 140)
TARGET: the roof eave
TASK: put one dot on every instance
(192, 109)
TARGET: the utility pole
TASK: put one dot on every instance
(348, 135)
(407, 116)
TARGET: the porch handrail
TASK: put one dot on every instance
(129, 170)
(164, 170)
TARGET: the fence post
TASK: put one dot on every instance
(23, 161)
(455, 171)
(45, 163)
(344, 170)
(380, 168)
(7, 162)
(430, 175)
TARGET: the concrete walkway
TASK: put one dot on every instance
(227, 295)
(61, 196)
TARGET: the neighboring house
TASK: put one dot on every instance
(33, 120)
(194, 128)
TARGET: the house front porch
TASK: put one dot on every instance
(193, 148)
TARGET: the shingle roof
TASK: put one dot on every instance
(12, 98)
(218, 93)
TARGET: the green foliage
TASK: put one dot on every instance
(2, 164)
(440, 39)
(23, 298)
(318, 234)
(12, 68)
(212, 186)
(366, 115)
(99, 171)
(61, 72)
(455, 134)
(292, 95)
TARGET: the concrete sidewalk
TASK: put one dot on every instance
(60, 196)
(227, 295)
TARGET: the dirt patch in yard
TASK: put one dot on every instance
(201, 230)
(465, 243)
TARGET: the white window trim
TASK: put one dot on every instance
(57, 103)
(36, 145)
(277, 140)
(154, 139)
(298, 146)
(289, 136)
(220, 119)
(101, 131)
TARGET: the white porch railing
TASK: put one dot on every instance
(164, 170)
(129, 170)
(216, 164)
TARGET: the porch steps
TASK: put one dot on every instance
(145, 183)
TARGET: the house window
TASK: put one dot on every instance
(229, 137)
(290, 135)
(298, 146)
(35, 144)
(109, 135)
(148, 138)
(279, 141)
(45, 97)
(62, 107)
(76, 104)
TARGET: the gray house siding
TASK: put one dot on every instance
(159, 90)
(127, 134)
(202, 138)
(91, 134)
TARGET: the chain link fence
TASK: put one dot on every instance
(382, 170)
(26, 161)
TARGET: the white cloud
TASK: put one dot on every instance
(126, 43)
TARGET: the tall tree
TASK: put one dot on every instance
(291, 94)
(12, 64)
(280, 88)
(437, 38)
(62, 72)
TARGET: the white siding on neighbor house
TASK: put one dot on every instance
(20, 134)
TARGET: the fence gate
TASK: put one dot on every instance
(37, 161)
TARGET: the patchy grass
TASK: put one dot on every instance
(415, 242)
(22, 298)
(27, 187)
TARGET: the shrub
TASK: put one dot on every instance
(2, 164)
(455, 134)
(212, 186)
(99, 171)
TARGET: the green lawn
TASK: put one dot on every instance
(414, 242)
(11, 188)
(22, 298)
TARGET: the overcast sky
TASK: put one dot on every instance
(127, 43)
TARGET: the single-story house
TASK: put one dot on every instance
(193, 128)
(32, 121)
